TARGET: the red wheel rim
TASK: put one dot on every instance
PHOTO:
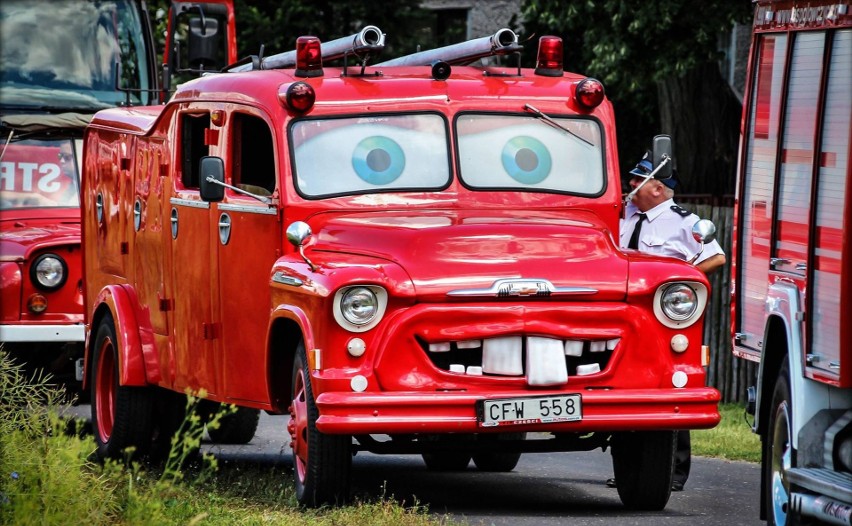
(105, 381)
(299, 429)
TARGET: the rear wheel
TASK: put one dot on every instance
(780, 454)
(321, 462)
(236, 428)
(121, 415)
(643, 463)
(447, 461)
(498, 462)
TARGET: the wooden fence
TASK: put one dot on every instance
(730, 375)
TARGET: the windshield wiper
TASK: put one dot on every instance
(538, 113)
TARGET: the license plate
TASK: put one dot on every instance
(538, 410)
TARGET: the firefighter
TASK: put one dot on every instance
(655, 224)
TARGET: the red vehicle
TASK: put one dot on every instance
(46, 100)
(793, 223)
(416, 256)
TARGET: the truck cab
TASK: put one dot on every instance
(417, 255)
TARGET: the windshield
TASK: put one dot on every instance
(370, 154)
(527, 153)
(39, 174)
(63, 54)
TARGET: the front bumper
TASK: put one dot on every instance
(455, 412)
(43, 333)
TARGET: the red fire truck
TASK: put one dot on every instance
(793, 220)
(51, 83)
(417, 256)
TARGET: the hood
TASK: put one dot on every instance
(19, 237)
(465, 251)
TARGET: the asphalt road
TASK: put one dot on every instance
(545, 489)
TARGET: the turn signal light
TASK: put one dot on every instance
(308, 57)
(549, 62)
(589, 93)
(37, 303)
(299, 97)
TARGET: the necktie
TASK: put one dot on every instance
(634, 237)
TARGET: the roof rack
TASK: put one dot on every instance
(503, 42)
(367, 42)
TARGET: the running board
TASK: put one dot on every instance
(835, 504)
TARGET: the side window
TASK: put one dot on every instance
(252, 155)
(193, 146)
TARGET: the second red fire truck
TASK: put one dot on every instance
(414, 256)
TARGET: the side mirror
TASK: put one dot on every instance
(297, 234)
(204, 44)
(662, 148)
(212, 170)
(704, 231)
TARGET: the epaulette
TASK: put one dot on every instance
(680, 211)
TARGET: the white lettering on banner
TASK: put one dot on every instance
(18, 177)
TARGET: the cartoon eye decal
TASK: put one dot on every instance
(378, 160)
(526, 160)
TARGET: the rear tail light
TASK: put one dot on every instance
(308, 57)
(549, 62)
(589, 93)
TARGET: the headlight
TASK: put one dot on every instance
(679, 305)
(49, 272)
(360, 308)
(679, 301)
(359, 305)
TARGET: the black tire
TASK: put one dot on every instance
(779, 453)
(321, 463)
(121, 415)
(169, 415)
(643, 463)
(499, 462)
(236, 428)
(447, 461)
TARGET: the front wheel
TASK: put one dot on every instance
(780, 454)
(121, 415)
(499, 462)
(643, 463)
(321, 462)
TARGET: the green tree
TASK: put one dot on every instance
(659, 64)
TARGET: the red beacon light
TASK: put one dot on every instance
(549, 61)
(299, 97)
(589, 93)
(308, 57)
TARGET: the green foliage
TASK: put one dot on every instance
(732, 439)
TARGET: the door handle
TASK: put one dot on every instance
(774, 262)
(224, 228)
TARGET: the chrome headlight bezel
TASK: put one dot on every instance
(666, 312)
(49, 272)
(343, 307)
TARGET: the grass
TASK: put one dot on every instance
(732, 439)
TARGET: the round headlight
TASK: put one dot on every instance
(359, 305)
(49, 272)
(679, 301)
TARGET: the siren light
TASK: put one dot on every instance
(589, 93)
(549, 61)
(308, 57)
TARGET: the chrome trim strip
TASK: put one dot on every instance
(280, 277)
(521, 287)
(189, 202)
(249, 209)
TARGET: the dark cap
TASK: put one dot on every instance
(644, 168)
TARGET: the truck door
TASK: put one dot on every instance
(193, 262)
(248, 238)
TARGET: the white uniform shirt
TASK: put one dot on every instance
(667, 231)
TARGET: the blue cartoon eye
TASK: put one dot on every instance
(526, 160)
(378, 160)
